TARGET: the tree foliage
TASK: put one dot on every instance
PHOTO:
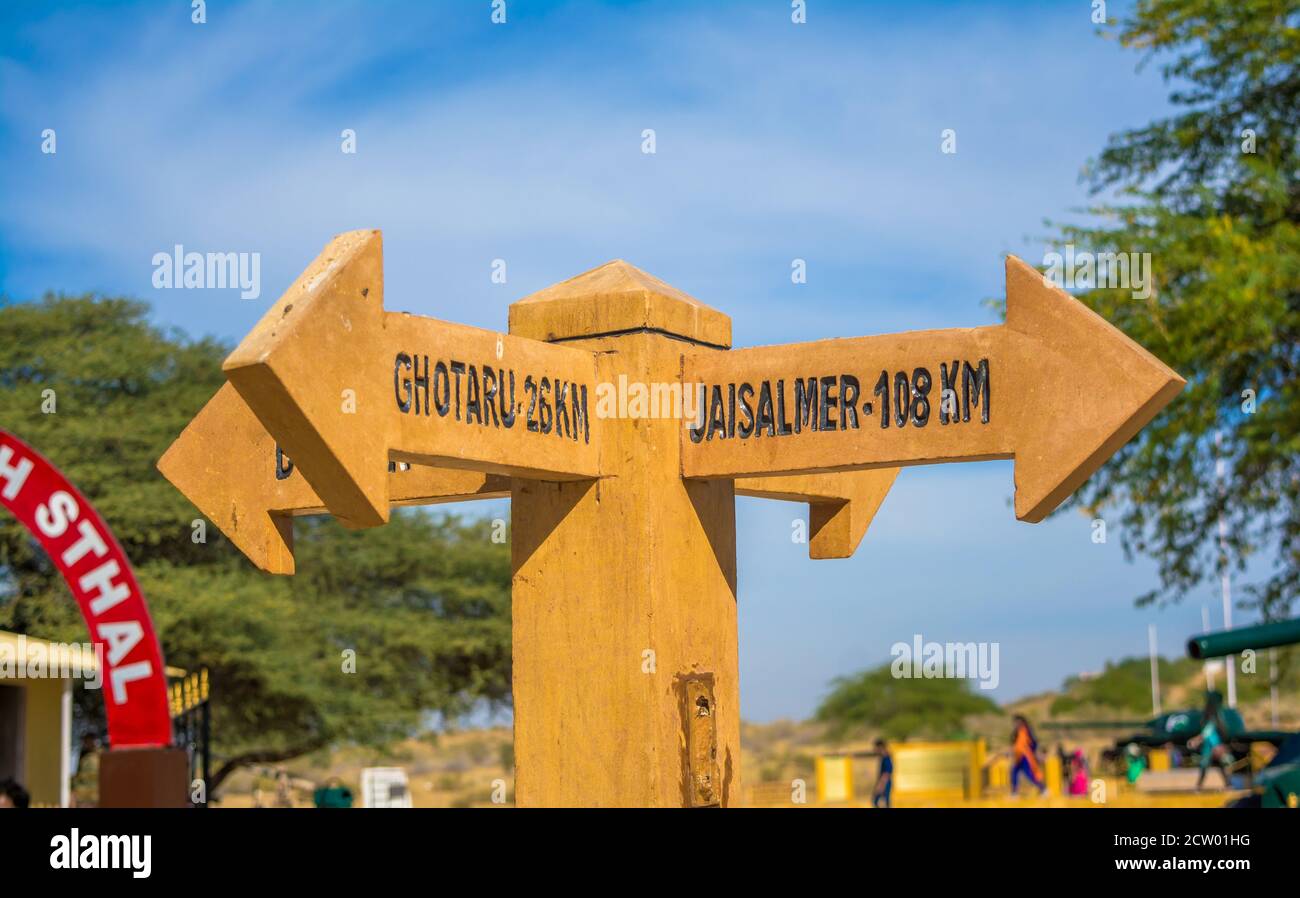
(897, 708)
(1124, 685)
(1211, 192)
(423, 602)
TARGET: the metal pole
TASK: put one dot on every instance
(206, 740)
(1205, 628)
(1230, 662)
(1155, 671)
(1272, 683)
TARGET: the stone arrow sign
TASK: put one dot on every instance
(346, 386)
(624, 599)
(349, 386)
(230, 468)
(1056, 387)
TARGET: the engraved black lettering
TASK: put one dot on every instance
(882, 390)
(530, 387)
(782, 422)
(508, 407)
(544, 405)
(902, 399)
(849, 390)
(489, 396)
(805, 405)
(458, 369)
(441, 394)
(828, 403)
(717, 417)
(580, 417)
(746, 428)
(402, 385)
(697, 430)
(473, 408)
(948, 392)
(920, 396)
(283, 466)
(765, 421)
(731, 410)
(562, 424)
(974, 385)
(421, 382)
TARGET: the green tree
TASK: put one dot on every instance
(1124, 685)
(898, 708)
(424, 603)
(1211, 192)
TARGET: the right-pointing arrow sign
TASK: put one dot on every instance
(1056, 388)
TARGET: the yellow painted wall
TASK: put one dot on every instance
(46, 733)
(834, 778)
(937, 769)
(1052, 774)
(45, 740)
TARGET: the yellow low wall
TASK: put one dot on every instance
(938, 770)
(834, 778)
(47, 741)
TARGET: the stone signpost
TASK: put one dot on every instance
(623, 543)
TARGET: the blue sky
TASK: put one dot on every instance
(522, 142)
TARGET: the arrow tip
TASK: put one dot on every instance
(298, 370)
(209, 464)
(1094, 389)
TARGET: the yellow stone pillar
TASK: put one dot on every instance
(623, 554)
(1054, 775)
(624, 589)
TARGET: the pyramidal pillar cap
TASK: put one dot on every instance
(617, 298)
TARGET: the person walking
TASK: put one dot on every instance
(1024, 756)
(881, 795)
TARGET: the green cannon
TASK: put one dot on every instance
(1278, 784)
(1172, 728)
(1234, 642)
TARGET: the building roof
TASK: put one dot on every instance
(71, 660)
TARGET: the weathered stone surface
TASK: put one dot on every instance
(623, 588)
(614, 298)
(227, 465)
(337, 380)
(840, 506)
(1056, 388)
(623, 544)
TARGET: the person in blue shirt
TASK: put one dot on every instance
(884, 777)
(1210, 741)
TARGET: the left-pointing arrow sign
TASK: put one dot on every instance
(229, 467)
(345, 386)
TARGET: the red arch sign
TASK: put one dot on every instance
(96, 569)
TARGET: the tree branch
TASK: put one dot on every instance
(265, 756)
